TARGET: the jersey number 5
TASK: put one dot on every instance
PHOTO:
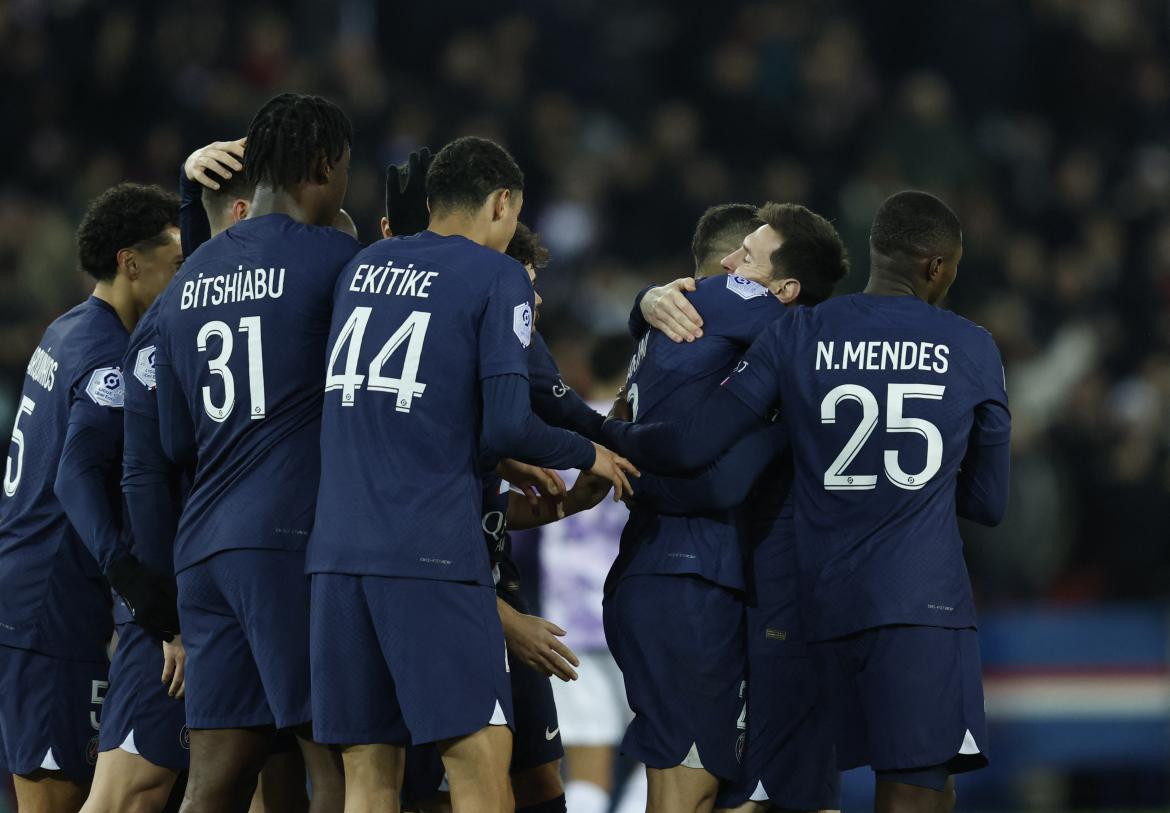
(896, 395)
(249, 325)
(405, 386)
(12, 472)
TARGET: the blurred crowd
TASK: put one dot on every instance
(1043, 122)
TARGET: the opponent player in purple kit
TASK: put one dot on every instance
(240, 358)
(398, 533)
(885, 591)
(60, 521)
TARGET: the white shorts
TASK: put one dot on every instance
(592, 710)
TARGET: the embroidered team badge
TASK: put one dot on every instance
(185, 738)
(144, 367)
(105, 387)
(522, 323)
(745, 288)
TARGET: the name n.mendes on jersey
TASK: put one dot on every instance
(880, 355)
(392, 280)
(241, 285)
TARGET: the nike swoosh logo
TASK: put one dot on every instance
(548, 735)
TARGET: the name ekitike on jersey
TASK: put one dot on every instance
(42, 368)
(877, 355)
(392, 280)
(237, 286)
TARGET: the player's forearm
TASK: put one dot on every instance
(571, 413)
(721, 486)
(88, 462)
(637, 323)
(683, 446)
(194, 227)
(984, 477)
(174, 422)
(511, 430)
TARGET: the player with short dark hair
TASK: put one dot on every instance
(719, 232)
(439, 322)
(674, 598)
(60, 527)
(898, 421)
(238, 370)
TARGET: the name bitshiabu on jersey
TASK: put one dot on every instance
(668, 381)
(241, 334)
(881, 396)
(53, 597)
(418, 322)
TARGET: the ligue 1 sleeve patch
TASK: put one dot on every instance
(144, 367)
(105, 387)
(745, 288)
(522, 323)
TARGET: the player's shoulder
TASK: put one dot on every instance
(732, 291)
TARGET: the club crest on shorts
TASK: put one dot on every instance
(522, 323)
(91, 750)
(105, 387)
(185, 738)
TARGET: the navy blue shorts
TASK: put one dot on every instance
(535, 742)
(245, 620)
(679, 641)
(906, 698)
(405, 660)
(138, 716)
(50, 712)
(790, 758)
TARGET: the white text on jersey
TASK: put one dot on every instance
(924, 356)
(372, 279)
(238, 286)
(41, 368)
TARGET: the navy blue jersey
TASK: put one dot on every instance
(241, 355)
(53, 597)
(667, 382)
(555, 402)
(418, 323)
(882, 397)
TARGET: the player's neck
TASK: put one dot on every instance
(461, 225)
(118, 297)
(889, 285)
(269, 201)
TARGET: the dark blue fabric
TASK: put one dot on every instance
(53, 598)
(553, 401)
(401, 461)
(194, 227)
(510, 429)
(240, 362)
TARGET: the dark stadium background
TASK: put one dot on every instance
(1043, 122)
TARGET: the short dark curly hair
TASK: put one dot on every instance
(915, 224)
(811, 250)
(128, 215)
(721, 229)
(526, 247)
(466, 171)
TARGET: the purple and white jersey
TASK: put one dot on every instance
(575, 557)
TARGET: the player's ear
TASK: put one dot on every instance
(239, 210)
(385, 224)
(500, 203)
(934, 268)
(127, 263)
(786, 290)
(324, 169)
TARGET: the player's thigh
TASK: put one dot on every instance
(277, 630)
(374, 771)
(48, 792)
(591, 763)
(445, 649)
(480, 759)
(902, 797)
(281, 784)
(680, 790)
(354, 696)
(224, 688)
(227, 760)
(128, 783)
